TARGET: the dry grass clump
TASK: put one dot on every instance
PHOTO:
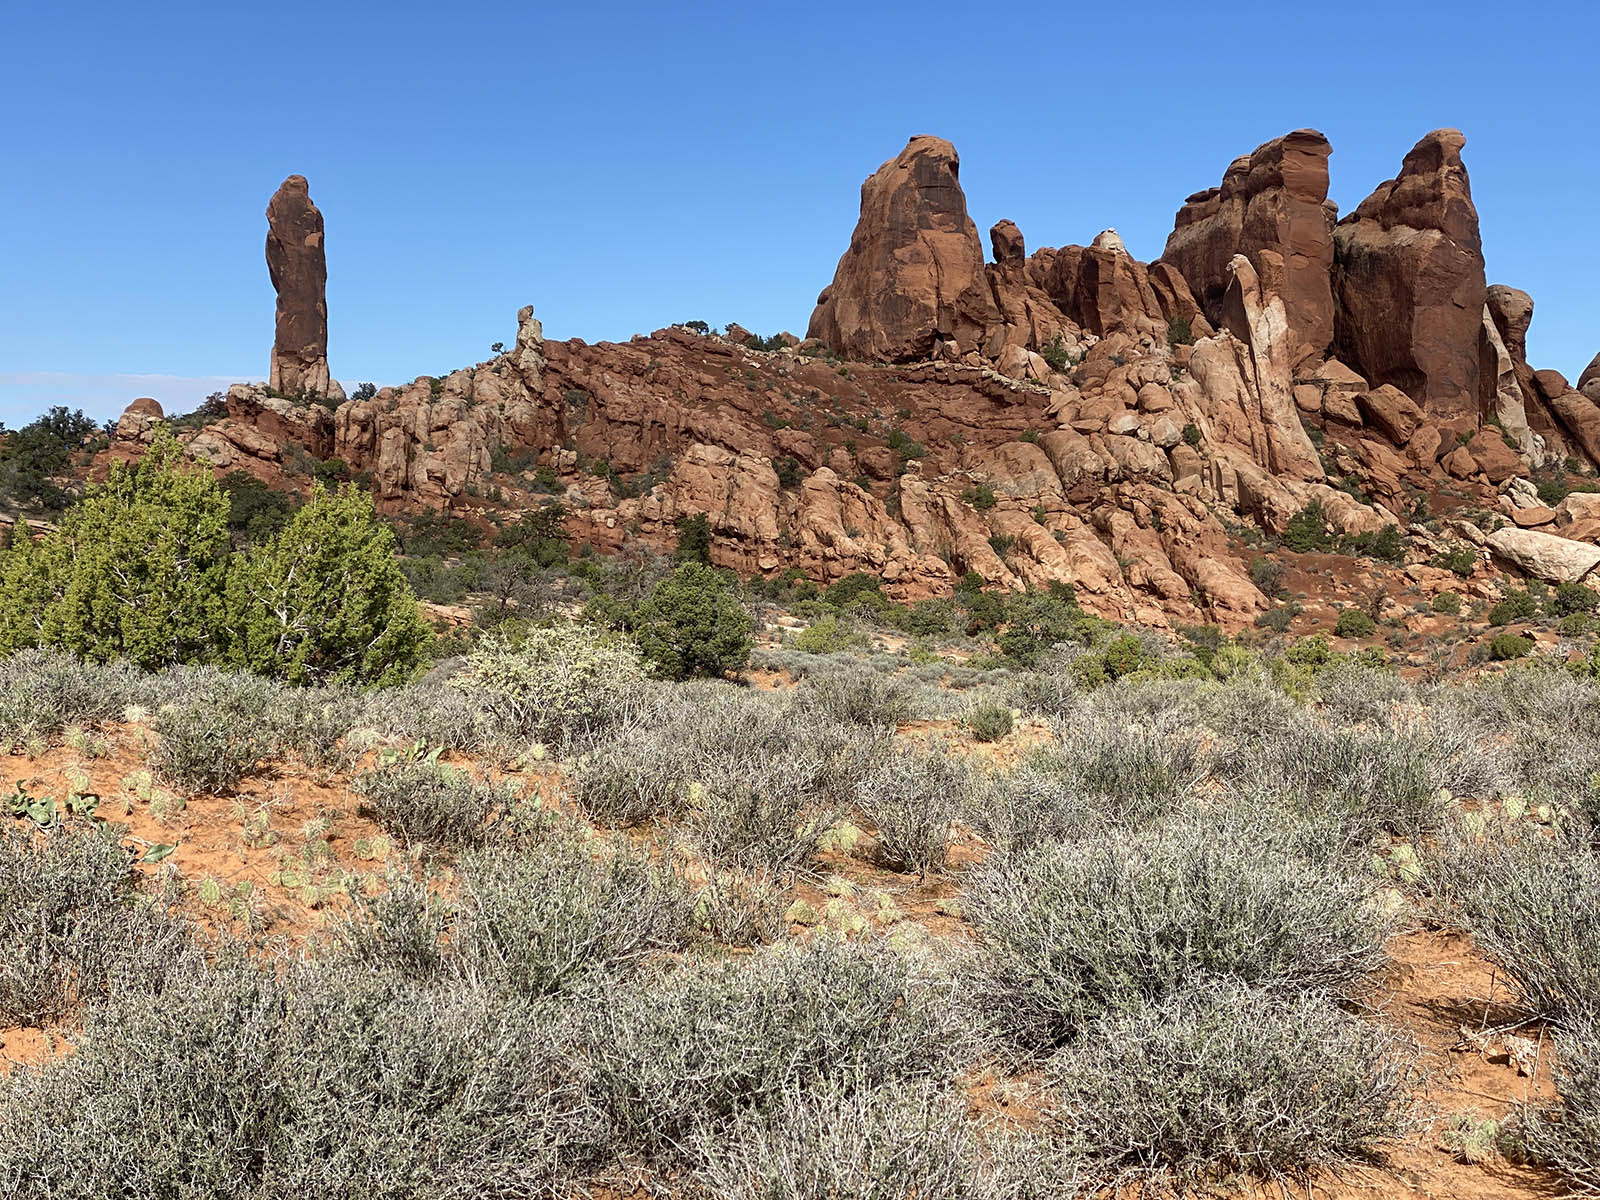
(914, 798)
(1220, 1079)
(424, 802)
(1072, 930)
(75, 926)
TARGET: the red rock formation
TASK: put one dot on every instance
(914, 273)
(1028, 317)
(299, 268)
(1101, 287)
(1409, 283)
(1273, 199)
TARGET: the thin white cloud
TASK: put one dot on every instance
(26, 394)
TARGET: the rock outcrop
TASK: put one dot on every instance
(1100, 287)
(1275, 199)
(1409, 286)
(914, 273)
(298, 264)
(1245, 378)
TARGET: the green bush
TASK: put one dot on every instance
(693, 625)
(694, 540)
(990, 722)
(1460, 560)
(1506, 646)
(325, 601)
(1179, 333)
(1307, 530)
(1517, 605)
(1571, 598)
(859, 696)
(1191, 434)
(828, 636)
(1448, 603)
(980, 497)
(137, 569)
(1353, 623)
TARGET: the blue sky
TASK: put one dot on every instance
(622, 166)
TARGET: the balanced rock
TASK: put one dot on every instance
(1275, 198)
(914, 272)
(299, 269)
(1409, 284)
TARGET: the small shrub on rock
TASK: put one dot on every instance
(1504, 647)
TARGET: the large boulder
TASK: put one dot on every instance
(1273, 199)
(1544, 555)
(1409, 285)
(914, 273)
(299, 268)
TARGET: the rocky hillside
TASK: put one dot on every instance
(1072, 414)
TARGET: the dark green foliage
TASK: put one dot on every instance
(693, 625)
(1387, 545)
(1448, 603)
(1035, 621)
(1307, 530)
(436, 532)
(790, 473)
(325, 601)
(1179, 333)
(1516, 605)
(857, 588)
(694, 540)
(1570, 598)
(1055, 354)
(137, 569)
(980, 497)
(1353, 623)
(1462, 561)
(255, 511)
(1191, 434)
(32, 455)
(538, 535)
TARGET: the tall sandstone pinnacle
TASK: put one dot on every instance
(914, 273)
(1276, 199)
(299, 269)
(1409, 283)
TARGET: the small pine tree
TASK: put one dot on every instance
(325, 600)
(694, 540)
(136, 570)
(694, 625)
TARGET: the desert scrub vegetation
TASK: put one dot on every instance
(693, 1050)
(1222, 1079)
(1069, 931)
(914, 798)
(75, 925)
(424, 802)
